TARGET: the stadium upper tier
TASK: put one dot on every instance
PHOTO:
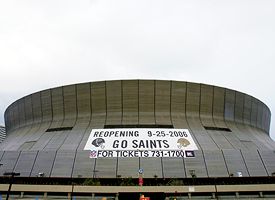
(47, 130)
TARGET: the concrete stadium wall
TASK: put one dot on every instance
(137, 102)
(240, 141)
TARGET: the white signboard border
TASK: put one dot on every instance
(140, 142)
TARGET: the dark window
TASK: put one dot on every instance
(211, 128)
(59, 129)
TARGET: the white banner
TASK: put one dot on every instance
(131, 142)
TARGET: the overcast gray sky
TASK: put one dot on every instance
(45, 44)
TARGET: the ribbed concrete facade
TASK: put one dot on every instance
(2, 133)
(47, 130)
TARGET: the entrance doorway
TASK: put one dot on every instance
(135, 196)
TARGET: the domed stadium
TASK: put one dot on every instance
(123, 138)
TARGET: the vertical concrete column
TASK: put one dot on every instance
(45, 195)
(213, 195)
(261, 195)
(69, 195)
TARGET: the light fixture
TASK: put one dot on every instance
(192, 173)
(41, 174)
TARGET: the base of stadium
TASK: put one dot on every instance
(129, 188)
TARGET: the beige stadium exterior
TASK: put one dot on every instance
(47, 131)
